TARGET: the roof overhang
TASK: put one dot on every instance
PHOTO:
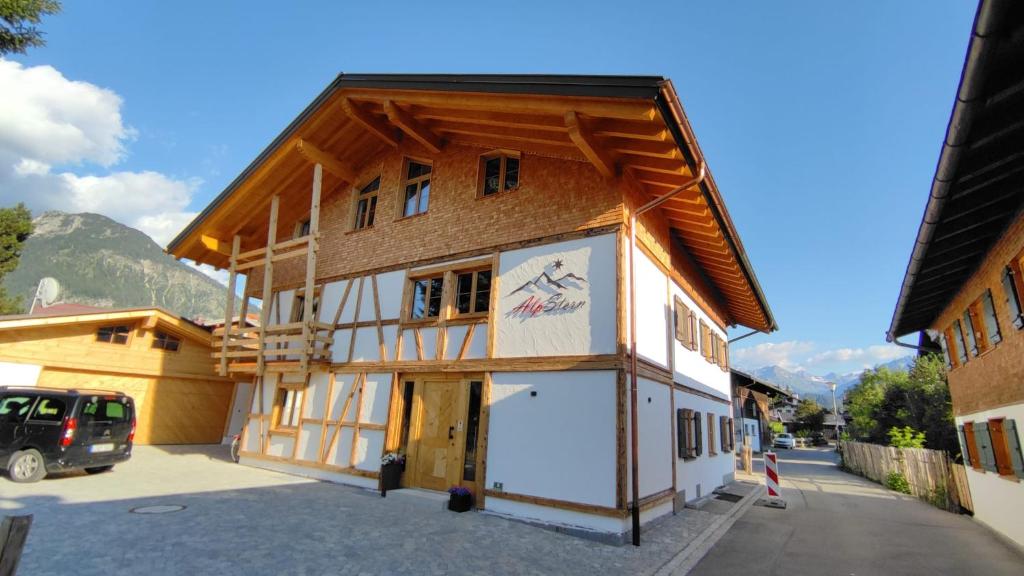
(740, 378)
(978, 188)
(630, 127)
(156, 316)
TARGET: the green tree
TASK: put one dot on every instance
(906, 437)
(18, 20)
(809, 415)
(865, 400)
(15, 228)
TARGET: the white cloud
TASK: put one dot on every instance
(218, 275)
(782, 354)
(867, 357)
(48, 121)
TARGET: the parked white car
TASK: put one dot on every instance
(784, 440)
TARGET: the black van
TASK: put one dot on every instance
(46, 430)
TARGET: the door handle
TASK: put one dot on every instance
(451, 430)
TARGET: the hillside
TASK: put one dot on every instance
(100, 262)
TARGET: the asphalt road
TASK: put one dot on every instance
(841, 524)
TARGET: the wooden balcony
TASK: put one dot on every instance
(281, 347)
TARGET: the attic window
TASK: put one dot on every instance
(302, 228)
(113, 334)
(499, 173)
(366, 205)
(165, 341)
(417, 188)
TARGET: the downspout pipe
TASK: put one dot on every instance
(634, 427)
(970, 99)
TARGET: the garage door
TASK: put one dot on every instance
(168, 410)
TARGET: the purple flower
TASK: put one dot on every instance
(459, 491)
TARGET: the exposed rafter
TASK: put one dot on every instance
(379, 129)
(216, 245)
(584, 140)
(412, 127)
(337, 167)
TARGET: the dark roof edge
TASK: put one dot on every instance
(765, 383)
(691, 150)
(987, 20)
(556, 85)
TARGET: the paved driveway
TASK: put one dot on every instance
(241, 520)
(838, 523)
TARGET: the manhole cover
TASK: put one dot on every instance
(158, 509)
(728, 497)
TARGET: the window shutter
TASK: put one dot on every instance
(1013, 445)
(971, 456)
(682, 317)
(723, 431)
(984, 442)
(963, 446)
(732, 434)
(1000, 447)
(683, 432)
(697, 435)
(693, 332)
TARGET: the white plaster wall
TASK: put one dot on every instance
(453, 340)
(389, 287)
(342, 387)
(589, 329)
(390, 340)
(309, 442)
(653, 312)
(308, 472)
(554, 516)
(655, 429)
(408, 345)
(429, 337)
(558, 444)
(367, 348)
(17, 374)
(330, 299)
(708, 471)
(316, 394)
(281, 311)
(376, 398)
(280, 446)
(691, 369)
(998, 502)
(478, 345)
(366, 310)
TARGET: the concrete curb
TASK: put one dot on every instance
(688, 557)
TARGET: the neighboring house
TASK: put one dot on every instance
(829, 428)
(964, 285)
(442, 263)
(752, 402)
(159, 359)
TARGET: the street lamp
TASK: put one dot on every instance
(835, 412)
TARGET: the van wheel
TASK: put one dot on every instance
(98, 469)
(27, 466)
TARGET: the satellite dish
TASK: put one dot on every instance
(48, 291)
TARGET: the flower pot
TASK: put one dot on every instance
(460, 503)
(390, 476)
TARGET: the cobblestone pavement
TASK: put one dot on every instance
(241, 520)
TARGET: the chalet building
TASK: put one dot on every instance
(964, 286)
(444, 264)
(159, 359)
(753, 399)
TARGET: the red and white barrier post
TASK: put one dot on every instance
(771, 475)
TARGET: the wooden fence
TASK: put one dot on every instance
(930, 473)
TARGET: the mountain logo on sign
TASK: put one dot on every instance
(546, 294)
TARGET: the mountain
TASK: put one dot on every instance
(99, 262)
(816, 387)
(545, 282)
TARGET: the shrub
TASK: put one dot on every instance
(803, 434)
(898, 482)
(905, 437)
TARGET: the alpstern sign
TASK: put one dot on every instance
(552, 292)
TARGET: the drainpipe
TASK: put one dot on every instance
(634, 426)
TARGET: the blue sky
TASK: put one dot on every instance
(821, 121)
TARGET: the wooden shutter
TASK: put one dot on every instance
(723, 430)
(963, 445)
(711, 435)
(971, 456)
(732, 434)
(682, 318)
(692, 344)
(951, 350)
(984, 443)
(1000, 448)
(1013, 446)
(697, 435)
(683, 432)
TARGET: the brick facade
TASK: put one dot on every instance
(996, 377)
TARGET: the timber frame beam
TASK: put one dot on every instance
(379, 129)
(337, 167)
(412, 127)
(583, 137)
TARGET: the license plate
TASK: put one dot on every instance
(101, 448)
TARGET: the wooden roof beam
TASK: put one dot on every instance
(216, 245)
(412, 127)
(315, 155)
(381, 130)
(584, 140)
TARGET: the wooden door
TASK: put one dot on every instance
(436, 462)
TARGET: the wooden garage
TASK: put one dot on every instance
(159, 359)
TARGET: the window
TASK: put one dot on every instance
(970, 332)
(113, 334)
(473, 292)
(945, 350)
(302, 228)
(48, 410)
(1011, 281)
(298, 312)
(165, 341)
(961, 347)
(287, 406)
(472, 427)
(417, 188)
(366, 204)
(499, 173)
(989, 321)
(406, 413)
(105, 410)
(725, 432)
(426, 298)
(711, 435)
(15, 407)
(1000, 447)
